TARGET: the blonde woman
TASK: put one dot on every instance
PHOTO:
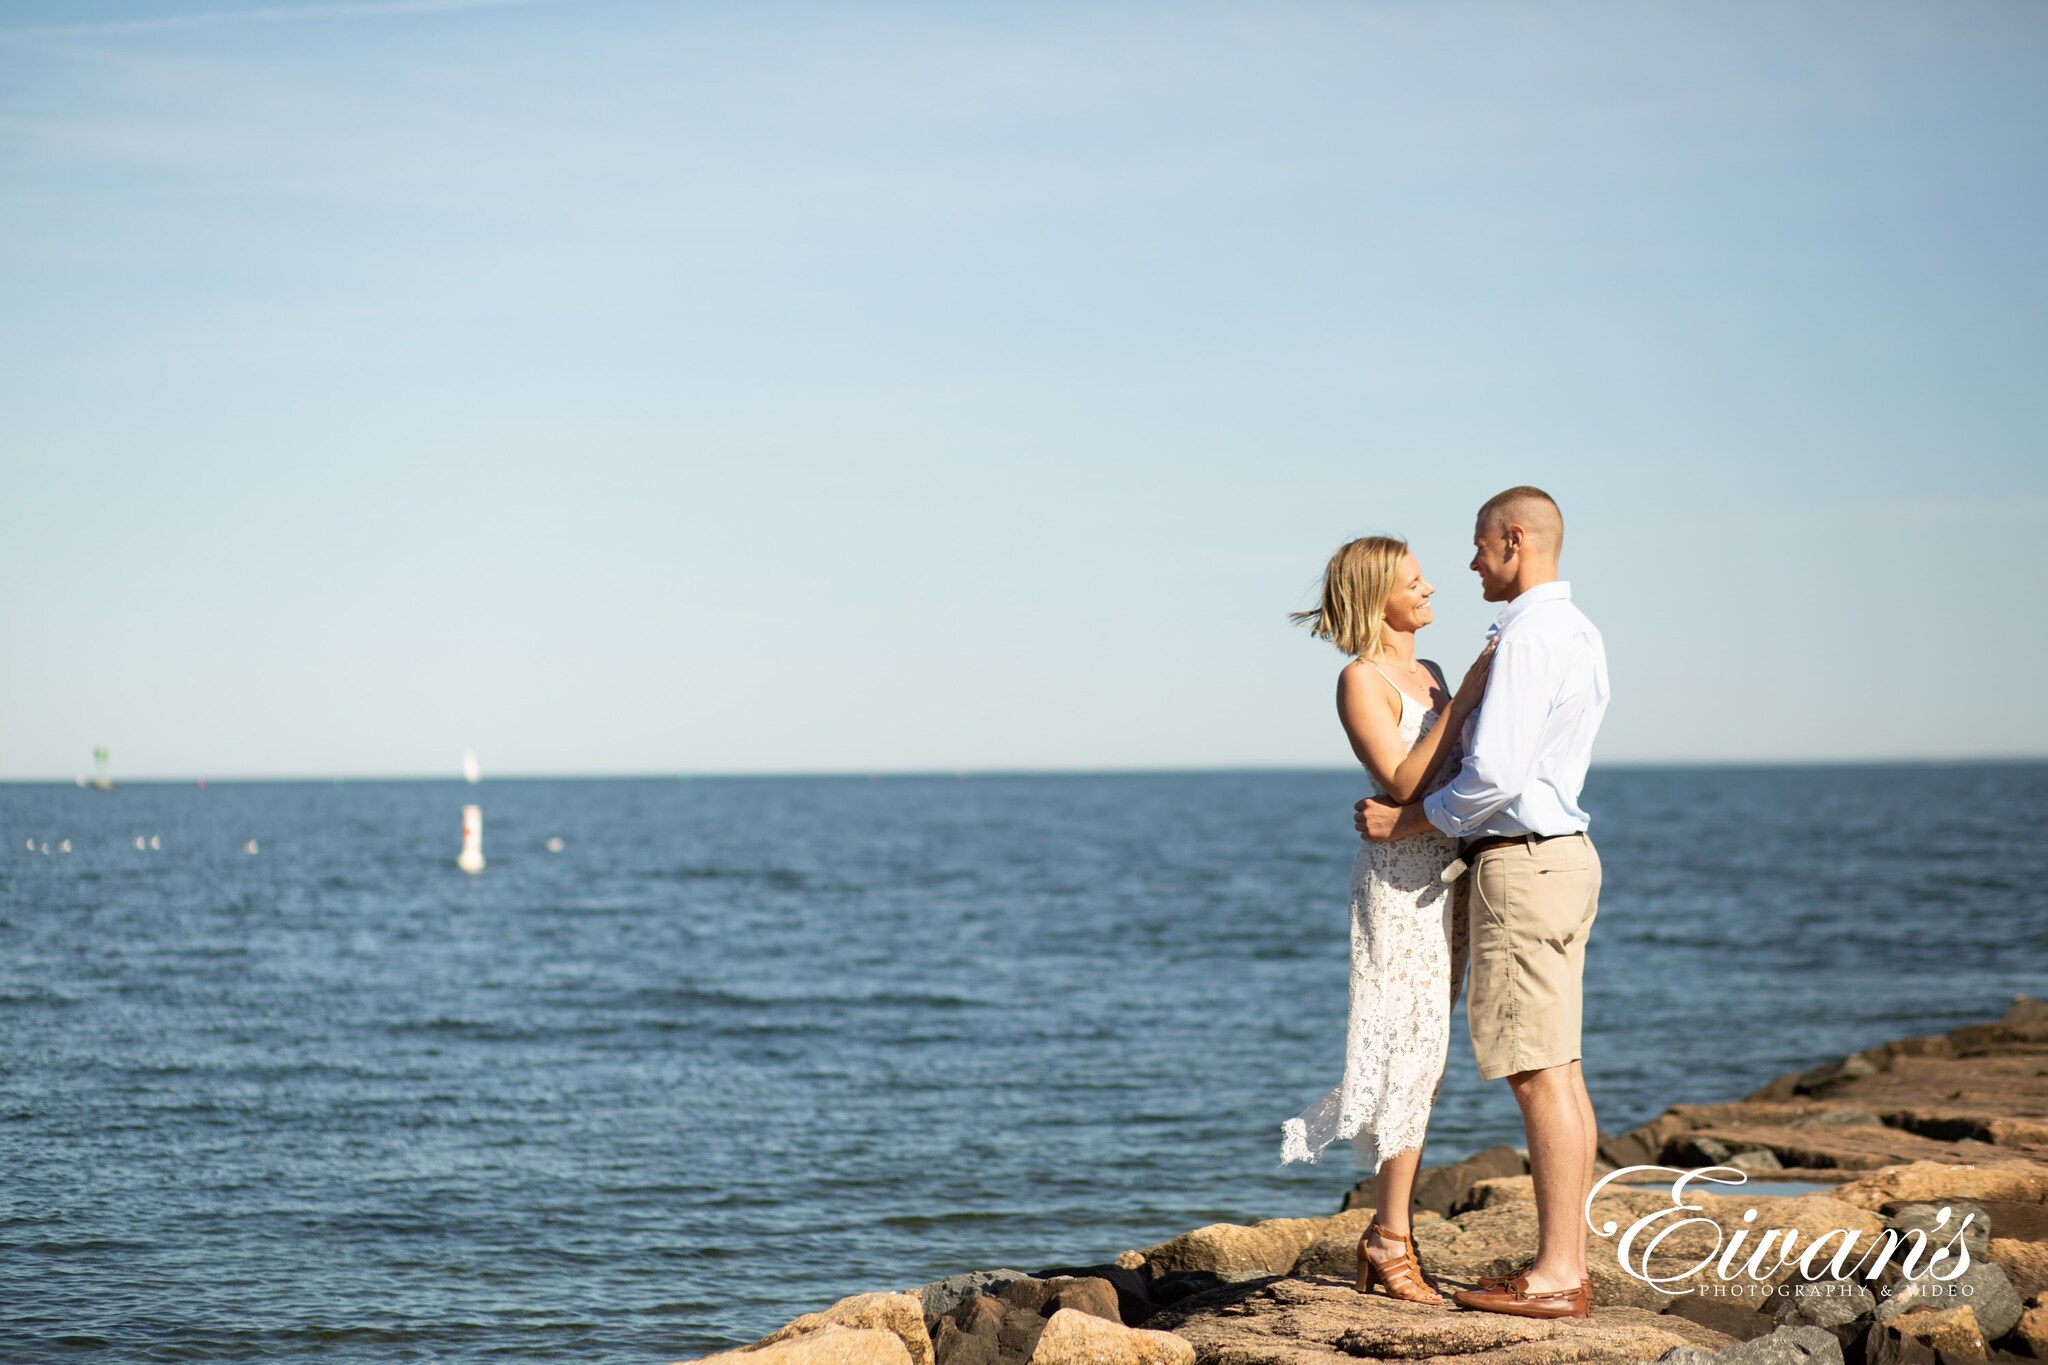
(1407, 942)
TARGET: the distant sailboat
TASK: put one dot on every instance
(470, 772)
(100, 778)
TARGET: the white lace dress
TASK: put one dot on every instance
(1408, 944)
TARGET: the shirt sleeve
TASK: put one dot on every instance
(1506, 737)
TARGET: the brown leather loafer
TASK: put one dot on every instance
(1518, 1300)
(1496, 1281)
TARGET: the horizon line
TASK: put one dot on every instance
(873, 774)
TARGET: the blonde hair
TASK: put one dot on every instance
(1356, 585)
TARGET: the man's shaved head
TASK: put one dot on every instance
(1517, 537)
(1532, 509)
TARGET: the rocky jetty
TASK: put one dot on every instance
(1907, 1138)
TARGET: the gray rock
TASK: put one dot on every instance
(1983, 1289)
(943, 1296)
(1756, 1159)
(1885, 1345)
(1825, 1303)
(1786, 1346)
(1697, 1151)
(1940, 1230)
(1795, 1345)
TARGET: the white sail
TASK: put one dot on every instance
(470, 771)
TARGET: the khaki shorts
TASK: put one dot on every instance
(1531, 909)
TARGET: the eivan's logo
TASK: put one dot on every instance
(1776, 1247)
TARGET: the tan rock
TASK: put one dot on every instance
(1238, 1251)
(1929, 1182)
(829, 1345)
(1503, 1189)
(1075, 1337)
(1313, 1322)
(2024, 1263)
(2033, 1329)
(901, 1315)
(1945, 1329)
(2012, 1132)
(1502, 1234)
(1842, 1147)
(1130, 1260)
(1332, 1256)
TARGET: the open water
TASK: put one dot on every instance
(747, 1045)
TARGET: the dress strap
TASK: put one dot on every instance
(1405, 697)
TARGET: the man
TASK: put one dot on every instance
(1533, 879)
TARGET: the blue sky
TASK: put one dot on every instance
(621, 387)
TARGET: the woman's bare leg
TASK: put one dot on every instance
(1394, 1189)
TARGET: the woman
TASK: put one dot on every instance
(1407, 942)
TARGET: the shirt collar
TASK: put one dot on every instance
(1558, 589)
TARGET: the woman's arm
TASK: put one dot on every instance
(1374, 729)
(1442, 736)
(1370, 710)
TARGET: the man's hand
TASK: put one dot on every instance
(1378, 818)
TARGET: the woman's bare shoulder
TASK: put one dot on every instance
(1359, 680)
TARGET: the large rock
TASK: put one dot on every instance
(1941, 1225)
(2024, 1263)
(1133, 1291)
(831, 1345)
(1080, 1293)
(1501, 1234)
(1442, 1189)
(982, 1330)
(1072, 1337)
(1814, 1147)
(1844, 1117)
(2032, 1330)
(1733, 1317)
(1932, 1182)
(1883, 1344)
(1004, 1328)
(1337, 1253)
(2026, 1222)
(1317, 1322)
(1794, 1345)
(901, 1315)
(1983, 1288)
(943, 1296)
(1825, 1303)
(1954, 1331)
(1245, 1251)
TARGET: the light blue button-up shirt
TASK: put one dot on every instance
(1528, 745)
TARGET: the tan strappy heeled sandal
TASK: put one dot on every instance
(1401, 1277)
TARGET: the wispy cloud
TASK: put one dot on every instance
(272, 14)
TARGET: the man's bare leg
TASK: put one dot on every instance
(1592, 1131)
(1560, 1138)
